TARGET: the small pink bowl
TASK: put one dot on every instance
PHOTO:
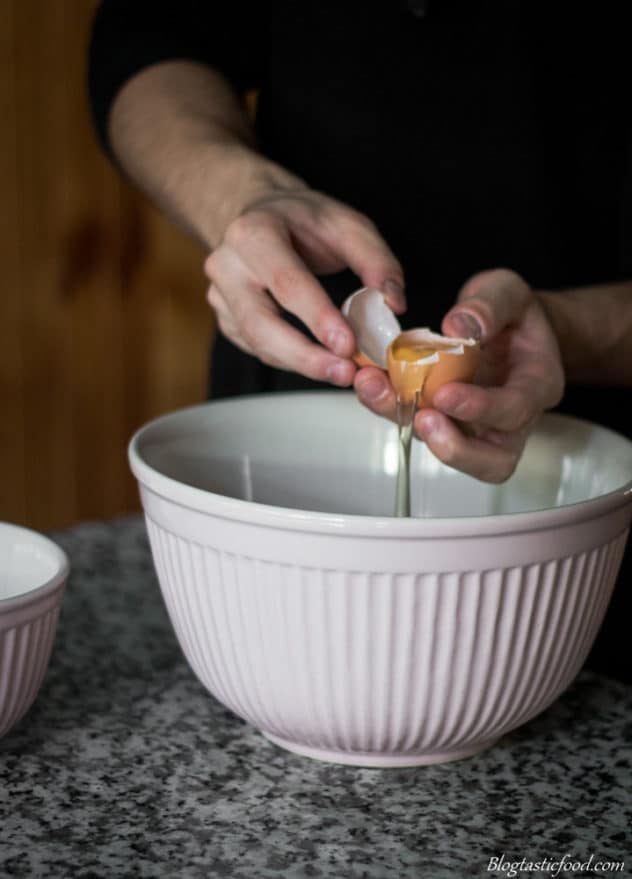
(33, 574)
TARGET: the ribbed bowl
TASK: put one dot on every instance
(33, 574)
(363, 638)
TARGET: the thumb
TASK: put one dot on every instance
(487, 304)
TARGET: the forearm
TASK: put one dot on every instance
(593, 326)
(180, 132)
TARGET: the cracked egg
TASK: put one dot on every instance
(418, 361)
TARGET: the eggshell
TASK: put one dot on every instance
(374, 325)
(451, 360)
(451, 368)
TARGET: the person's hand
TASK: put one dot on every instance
(520, 376)
(267, 261)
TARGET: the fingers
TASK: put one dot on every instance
(264, 247)
(266, 261)
(375, 391)
(520, 361)
(359, 244)
(490, 455)
(488, 303)
(259, 330)
(485, 453)
(507, 408)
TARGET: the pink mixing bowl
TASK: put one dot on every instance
(345, 634)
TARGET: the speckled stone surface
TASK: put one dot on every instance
(125, 766)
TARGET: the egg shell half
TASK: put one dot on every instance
(374, 325)
(452, 360)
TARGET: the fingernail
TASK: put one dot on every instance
(338, 372)
(338, 342)
(430, 427)
(395, 292)
(372, 389)
(466, 326)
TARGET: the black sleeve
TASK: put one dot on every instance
(129, 35)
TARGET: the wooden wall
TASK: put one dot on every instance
(103, 321)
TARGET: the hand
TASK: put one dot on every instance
(268, 231)
(268, 259)
(520, 376)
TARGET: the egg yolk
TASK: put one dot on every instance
(416, 351)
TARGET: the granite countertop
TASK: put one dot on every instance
(125, 766)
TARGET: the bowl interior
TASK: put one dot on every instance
(323, 452)
(28, 561)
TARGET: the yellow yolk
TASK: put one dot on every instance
(412, 353)
(415, 351)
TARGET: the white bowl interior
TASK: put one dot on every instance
(323, 452)
(27, 560)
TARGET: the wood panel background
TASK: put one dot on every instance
(103, 321)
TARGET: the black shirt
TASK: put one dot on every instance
(481, 134)
(476, 135)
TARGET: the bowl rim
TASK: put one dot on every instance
(256, 513)
(30, 596)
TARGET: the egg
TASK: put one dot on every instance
(418, 361)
